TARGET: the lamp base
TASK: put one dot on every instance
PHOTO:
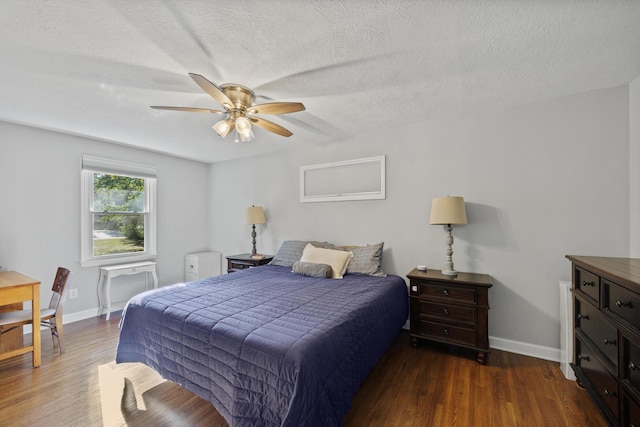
(254, 251)
(449, 273)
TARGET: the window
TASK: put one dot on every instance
(118, 212)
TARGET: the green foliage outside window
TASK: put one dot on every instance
(119, 207)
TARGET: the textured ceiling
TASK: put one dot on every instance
(93, 67)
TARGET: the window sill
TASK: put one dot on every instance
(99, 262)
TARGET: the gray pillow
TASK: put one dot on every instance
(366, 260)
(313, 269)
(290, 251)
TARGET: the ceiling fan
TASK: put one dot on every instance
(237, 103)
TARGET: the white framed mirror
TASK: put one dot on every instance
(359, 179)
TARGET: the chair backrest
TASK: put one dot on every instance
(63, 276)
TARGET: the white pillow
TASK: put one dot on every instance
(338, 260)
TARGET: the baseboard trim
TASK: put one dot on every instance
(526, 349)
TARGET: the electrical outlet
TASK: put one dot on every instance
(73, 293)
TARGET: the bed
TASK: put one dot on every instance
(267, 346)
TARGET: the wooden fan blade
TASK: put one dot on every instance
(212, 90)
(190, 109)
(277, 108)
(270, 126)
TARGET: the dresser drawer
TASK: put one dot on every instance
(587, 283)
(448, 333)
(622, 302)
(454, 293)
(448, 313)
(631, 364)
(630, 412)
(597, 328)
(605, 385)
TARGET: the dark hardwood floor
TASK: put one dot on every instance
(427, 386)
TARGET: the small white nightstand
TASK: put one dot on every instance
(198, 265)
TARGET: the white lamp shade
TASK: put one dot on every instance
(448, 210)
(254, 215)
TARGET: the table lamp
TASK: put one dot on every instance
(254, 215)
(448, 211)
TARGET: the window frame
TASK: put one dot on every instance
(91, 165)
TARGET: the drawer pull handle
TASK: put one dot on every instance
(583, 357)
(446, 293)
(633, 366)
(583, 316)
(609, 393)
(623, 303)
(607, 342)
(446, 331)
(585, 283)
(445, 311)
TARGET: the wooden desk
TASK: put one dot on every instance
(110, 271)
(16, 288)
(14, 338)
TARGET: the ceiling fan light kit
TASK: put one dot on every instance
(243, 128)
(223, 127)
(237, 101)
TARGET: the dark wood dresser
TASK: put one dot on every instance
(450, 309)
(606, 321)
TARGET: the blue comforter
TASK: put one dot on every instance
(266, 346)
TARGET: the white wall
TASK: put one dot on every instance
(634, 167)
(540, 181)
(40, 210)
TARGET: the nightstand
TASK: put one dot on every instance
(451, 309)
(242, 261)
(198, 265)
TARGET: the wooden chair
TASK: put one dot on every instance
(50, 317)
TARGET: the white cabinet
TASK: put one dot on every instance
(199, 265)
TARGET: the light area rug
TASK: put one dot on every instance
(122, 388)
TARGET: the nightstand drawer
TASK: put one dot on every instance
(448, 313)
(447, 292)
(244, 261)
(238, 265)
(191, 264)
(448, 333)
